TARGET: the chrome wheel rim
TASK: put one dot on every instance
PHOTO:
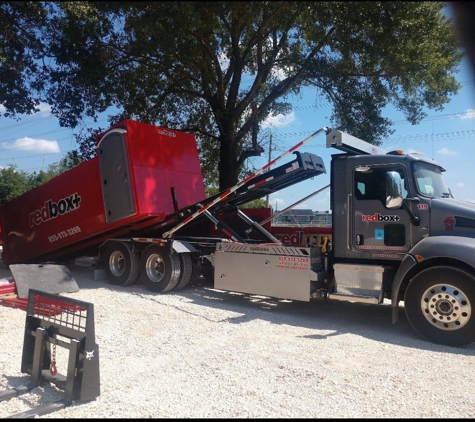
(155, 268)
(446, 307)
(116, 263)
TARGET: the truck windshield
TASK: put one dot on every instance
(429, 180)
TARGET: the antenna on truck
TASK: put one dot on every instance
(227, 192)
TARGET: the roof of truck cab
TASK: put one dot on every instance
(390, 158)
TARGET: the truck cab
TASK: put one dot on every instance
(384, 204)
(389, 203)
(399, 233)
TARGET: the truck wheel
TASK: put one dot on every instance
(159, 270)
(440, 305)
(121, 264)
(186, 270)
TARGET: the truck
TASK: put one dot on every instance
(398, 235)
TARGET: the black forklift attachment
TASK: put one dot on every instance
(52, 321)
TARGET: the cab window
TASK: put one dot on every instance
(371, 184)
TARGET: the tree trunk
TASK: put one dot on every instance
(228, 171)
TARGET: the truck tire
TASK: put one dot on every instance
(121, 264)
(186, 270)
(440, 305)
(159, 270)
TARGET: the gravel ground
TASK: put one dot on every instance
(205, 353)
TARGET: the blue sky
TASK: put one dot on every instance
(447, 136)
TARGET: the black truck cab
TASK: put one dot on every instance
(398, 233)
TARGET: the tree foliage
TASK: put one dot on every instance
(70, 160)
(21, 49)
(218, 69)
(256, 203)
(14, 182)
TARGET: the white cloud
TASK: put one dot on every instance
(276, 201)
(446, 151)
(30, 144)
(44, 110)
(469, 114)
(460, 185)
(280, 120)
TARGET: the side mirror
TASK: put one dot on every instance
(393, 190)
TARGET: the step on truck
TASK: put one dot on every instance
(397, 234)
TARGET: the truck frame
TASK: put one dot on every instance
(139, 206)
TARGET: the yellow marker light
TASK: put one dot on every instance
(419, 258)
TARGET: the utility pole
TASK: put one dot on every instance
(270, 150)
(432, 140)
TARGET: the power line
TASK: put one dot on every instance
(28, 126)
(48, 132)
(417, 138)
(435, 136)
(30, 156)
(39, 134)
(35, 155)
(26, 121)
(435, 117)
(426, 137)
(38, 116)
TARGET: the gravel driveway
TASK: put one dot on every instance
(205, 353)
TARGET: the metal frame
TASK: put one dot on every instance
(59, 321)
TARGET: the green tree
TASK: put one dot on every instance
(218, 69)
(13, 183)
(22, 75)
(70, 160)
(256, 203)
(40, 177)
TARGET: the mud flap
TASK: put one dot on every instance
(49, 278)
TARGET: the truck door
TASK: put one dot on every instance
(115, 176)
(377, 232)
